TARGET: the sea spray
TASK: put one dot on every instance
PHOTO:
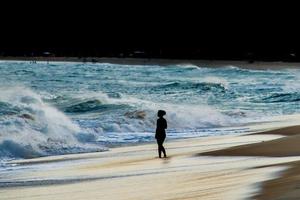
(31, 128)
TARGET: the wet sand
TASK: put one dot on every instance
(287, 186)
(136, 173)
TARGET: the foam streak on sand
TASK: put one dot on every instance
(134, 173)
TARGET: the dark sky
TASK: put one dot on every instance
(217, 30)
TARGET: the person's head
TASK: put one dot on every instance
(161, 113)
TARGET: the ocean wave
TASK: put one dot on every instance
(92, 106)
(202, 86)
(31, 128)
(128, 114)
(283, 97)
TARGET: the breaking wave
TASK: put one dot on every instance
(32, 128)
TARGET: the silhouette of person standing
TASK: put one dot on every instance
(160, 134)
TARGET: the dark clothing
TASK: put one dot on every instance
(161, 148)
(160, 135)
(160, 128)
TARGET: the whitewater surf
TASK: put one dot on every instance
(62, 108)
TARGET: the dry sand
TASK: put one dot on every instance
(135, 173)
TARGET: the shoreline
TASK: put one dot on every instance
(259, 65)
(100, 174)
(250, 129)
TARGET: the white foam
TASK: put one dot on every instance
(46, 131)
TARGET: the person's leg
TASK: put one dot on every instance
(163, 148)
(159, 147)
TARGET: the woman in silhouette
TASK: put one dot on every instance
(160, 134)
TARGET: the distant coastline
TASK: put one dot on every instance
(155, 61)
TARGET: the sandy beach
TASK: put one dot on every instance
(220, 167)
(286, 186)
(263, 165)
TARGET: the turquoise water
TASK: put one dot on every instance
(58, 108)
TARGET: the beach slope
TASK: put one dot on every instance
(287, 185)
(136, 173)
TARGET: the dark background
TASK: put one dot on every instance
(229, 31)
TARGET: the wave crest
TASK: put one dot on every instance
(30, 127)
(282, 97)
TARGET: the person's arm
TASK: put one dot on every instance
(166, 125)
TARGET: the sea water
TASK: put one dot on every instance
(60, 108)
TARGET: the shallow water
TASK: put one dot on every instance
(58, 108)
(134, 173)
